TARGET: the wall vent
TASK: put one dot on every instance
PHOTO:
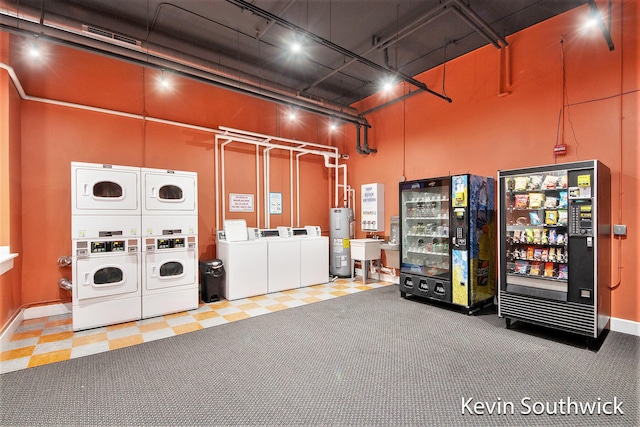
(111, 37)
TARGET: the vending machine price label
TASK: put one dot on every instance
(584, 180)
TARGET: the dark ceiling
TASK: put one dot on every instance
(348, 46)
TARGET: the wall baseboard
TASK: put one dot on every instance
(625, 326)
(10, 329)
(47, 310)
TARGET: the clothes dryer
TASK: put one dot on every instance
(105, 200)
(106, 282)
(169, 192)
(169, 276)
(102, 189)
(169, 227)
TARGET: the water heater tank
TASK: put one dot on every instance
(340, 235)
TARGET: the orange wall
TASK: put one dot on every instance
(482, 132)
(423, 136)
(11, 232)
(53, 136)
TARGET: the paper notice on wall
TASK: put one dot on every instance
(240, 202)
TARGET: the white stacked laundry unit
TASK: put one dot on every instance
(105, 226)
(170, 235)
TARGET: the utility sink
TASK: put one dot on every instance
(365, 249)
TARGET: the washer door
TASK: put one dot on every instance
(169, 269)
(108, 275)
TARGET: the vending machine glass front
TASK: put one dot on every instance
(425, 227)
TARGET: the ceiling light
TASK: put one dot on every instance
(296, 47)
(591, 22)
(34, 49)
(387, 84)
(292, 115)
(164, 81)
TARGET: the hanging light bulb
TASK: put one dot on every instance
(34, 48)
(164, 82)
(296, 47)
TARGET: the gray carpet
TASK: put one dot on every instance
(366, 359)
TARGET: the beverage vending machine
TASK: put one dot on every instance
(447, 229)
(554, 246)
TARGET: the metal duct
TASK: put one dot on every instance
(64, 261)
(70, 32)
(366, 142)
(65, 284)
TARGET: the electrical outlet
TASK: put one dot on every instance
(619, 230)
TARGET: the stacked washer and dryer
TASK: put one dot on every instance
(105, 226)
(118, 275)
(170, 227)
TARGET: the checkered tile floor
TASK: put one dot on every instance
(51, 339)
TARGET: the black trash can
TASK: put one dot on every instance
(211, 273)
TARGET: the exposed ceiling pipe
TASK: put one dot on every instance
(597, 15)
(483, 28)
(259, 34)
(389, 41)
(63, 30)
(366, 142)
(475, 27)
(358, 147)
(339, 49)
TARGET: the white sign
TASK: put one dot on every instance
(275, 203)
(240, 202)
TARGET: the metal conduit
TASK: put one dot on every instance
(69, 32)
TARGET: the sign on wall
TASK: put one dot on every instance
(275, 203)
(240, 202)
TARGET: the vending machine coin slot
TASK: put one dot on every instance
(459, 240)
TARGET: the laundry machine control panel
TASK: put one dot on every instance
(152, 244)
(170, 243)
(85, 248)
(108, 246)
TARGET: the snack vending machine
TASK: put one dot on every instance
(554, 246)
(447, 229)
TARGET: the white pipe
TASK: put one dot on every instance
(216, 181)
(223, 181)
(242, 136)
(255, 135)
(270, 137)
(267, 185)
(257, 186)
(291, 188)
(298, 187)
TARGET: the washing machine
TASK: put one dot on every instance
(170, 234)
(106, 281)
(244, 260)
(105, 200)
(283, 260)
(314, 256)
(169, 274)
